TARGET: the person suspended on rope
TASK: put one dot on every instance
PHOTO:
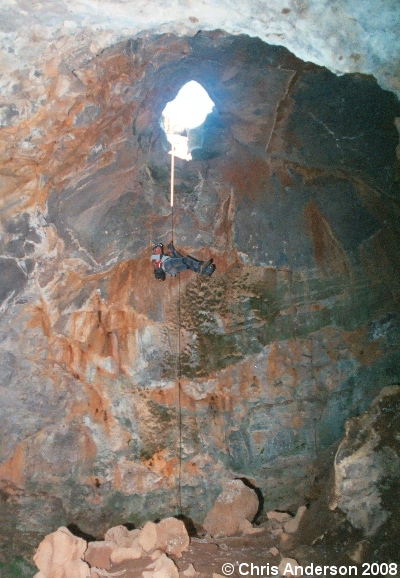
(172, 263)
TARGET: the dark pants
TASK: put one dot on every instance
(179, 263)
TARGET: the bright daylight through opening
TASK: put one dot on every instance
(188, 110)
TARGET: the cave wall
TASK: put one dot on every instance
(294, 193)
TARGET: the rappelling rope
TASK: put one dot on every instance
(178, 366)
(172, 191)
(179, 400)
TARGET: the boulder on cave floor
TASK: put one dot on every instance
(163, 567)
(148, 537)
(282, 523)
(99, 553)
(121, 536)
(236, 504)
(121, 554)
(172, 537)
(57, 551)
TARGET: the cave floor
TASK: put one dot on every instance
(209, 556)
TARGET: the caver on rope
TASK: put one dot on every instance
(172, 263)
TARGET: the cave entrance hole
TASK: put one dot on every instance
(183, 117)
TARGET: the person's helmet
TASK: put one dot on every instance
(159, 274)
(159, 245)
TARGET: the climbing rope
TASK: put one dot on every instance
(179, 401)
(178, 364)
(172, 190)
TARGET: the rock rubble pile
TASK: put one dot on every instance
(156, 546)
(63, 555)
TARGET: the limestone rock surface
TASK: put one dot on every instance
(121, 536)
(172, 537)
(121, 554)
(163, 567)
(279, 516)
(99, 553)
(148, 537)
(235, 504)
(74, 569)
(58, 551)
(367, 464)
(291, 526)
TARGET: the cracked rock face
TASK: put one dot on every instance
(367, 466)
(293, 192)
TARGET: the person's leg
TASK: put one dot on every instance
(173, 250)
(175, 265)
(192, 264)
(201, 267)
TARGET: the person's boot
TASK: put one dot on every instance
(208, 271)
(204, 266)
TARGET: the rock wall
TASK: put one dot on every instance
(367, 466)
(293, 192)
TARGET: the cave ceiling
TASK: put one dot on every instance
(342, 35)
